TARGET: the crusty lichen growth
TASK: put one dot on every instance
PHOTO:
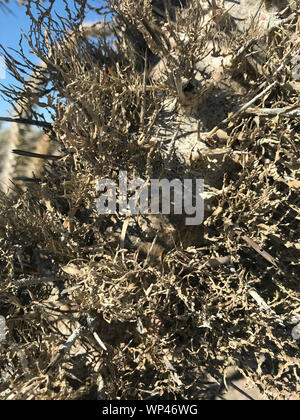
(80, 309)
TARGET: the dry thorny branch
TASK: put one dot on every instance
(172, 307)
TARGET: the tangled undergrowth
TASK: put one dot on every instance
(92, 311)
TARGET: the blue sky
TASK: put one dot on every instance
(11, 25)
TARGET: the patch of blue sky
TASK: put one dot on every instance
(15, 22)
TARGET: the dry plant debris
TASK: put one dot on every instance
(139, 307)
